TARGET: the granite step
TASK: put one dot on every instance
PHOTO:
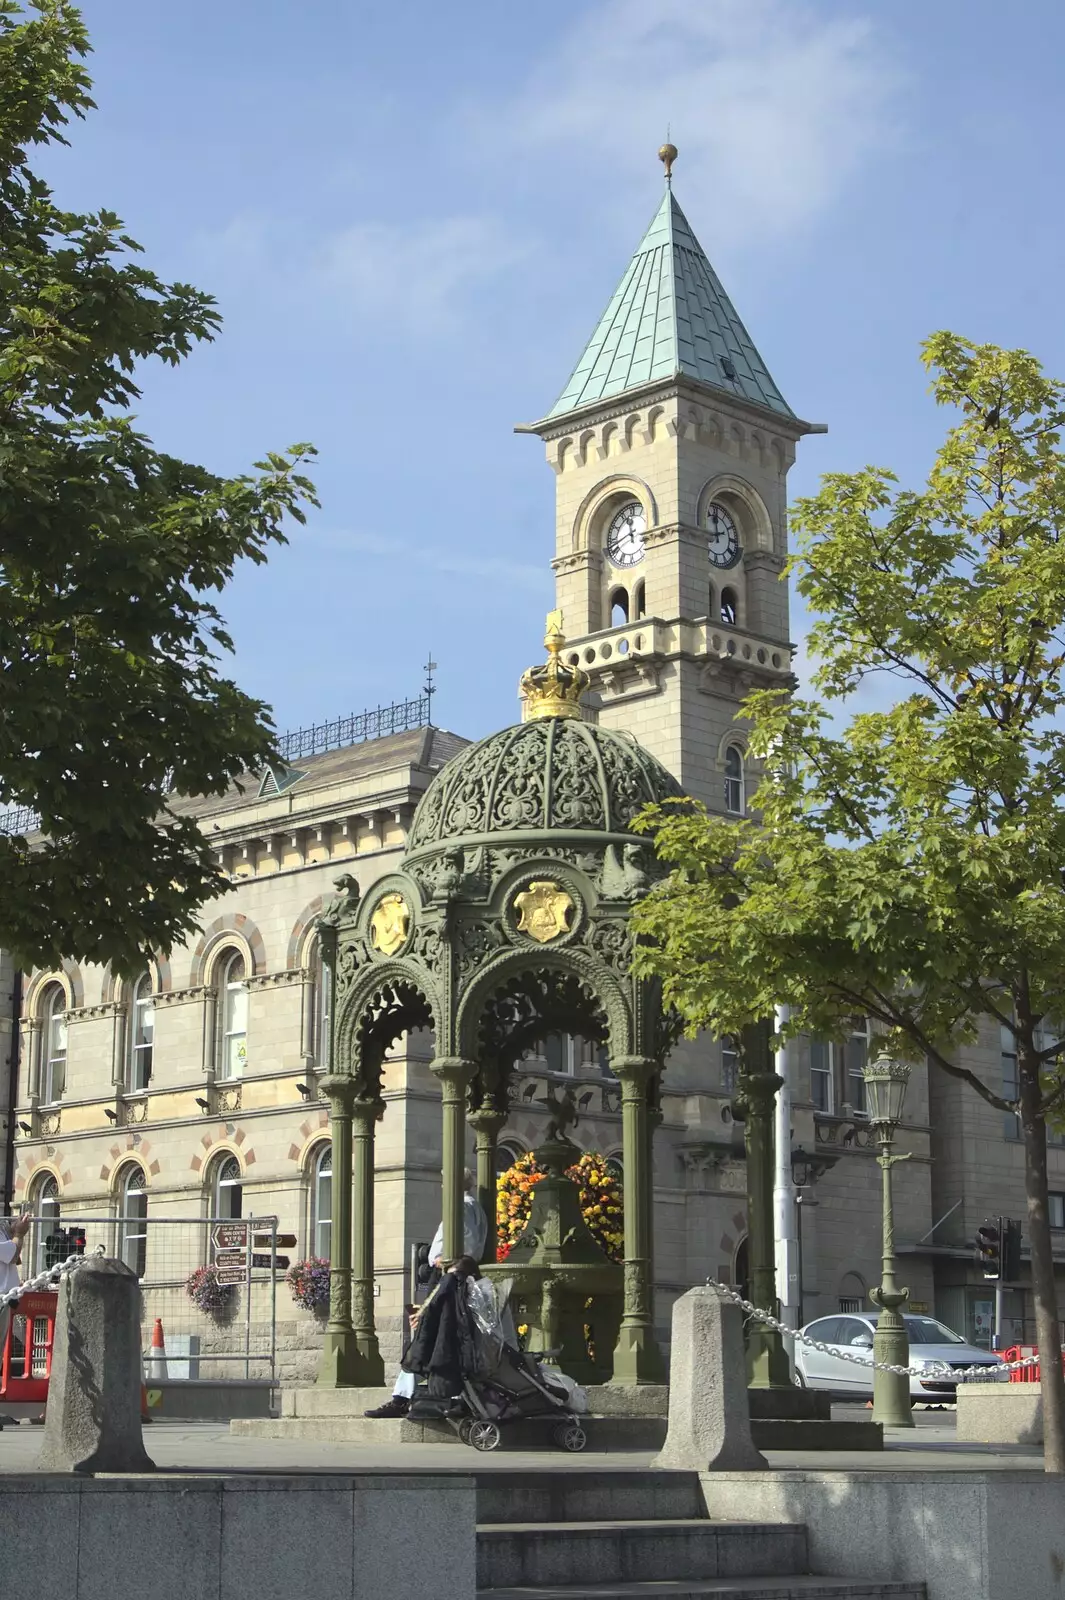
(786, 1588)
(581, 1496)
(618, 1552)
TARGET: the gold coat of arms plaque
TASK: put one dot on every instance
(390, 924)
(545, 911)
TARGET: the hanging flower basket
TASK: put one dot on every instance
(601, 1201)
(309, 1283)
(207, 1294)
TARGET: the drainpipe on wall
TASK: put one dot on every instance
(785, 1211)
(12, 1092)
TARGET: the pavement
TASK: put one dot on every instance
(210, 1448)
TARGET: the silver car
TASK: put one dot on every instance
(932, 1345)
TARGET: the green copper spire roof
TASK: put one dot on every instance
(670, 315)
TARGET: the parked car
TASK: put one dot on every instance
(931, 1343)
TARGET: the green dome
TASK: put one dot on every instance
(555, 774)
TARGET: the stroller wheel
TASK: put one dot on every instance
(464, 1429)
(483, 1435)
(571, 1436)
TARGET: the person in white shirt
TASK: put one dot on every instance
(12, 1233)
(474, 1234)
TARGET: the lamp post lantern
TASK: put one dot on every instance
(885, 1084)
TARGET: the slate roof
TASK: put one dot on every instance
(670, 315)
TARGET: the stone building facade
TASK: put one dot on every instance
(193, 1092)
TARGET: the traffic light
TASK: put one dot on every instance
(1011, 1252)
(989, 1248)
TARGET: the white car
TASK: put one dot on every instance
(932, 1345)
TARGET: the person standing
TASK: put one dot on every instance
(474, 1234)
(12, 1233)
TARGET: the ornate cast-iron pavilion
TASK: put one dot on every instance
(507, 919)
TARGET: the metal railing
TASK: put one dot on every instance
(164, 1252)
(400, 717)
(19, 820)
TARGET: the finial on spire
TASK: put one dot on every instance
(553, 689)
(667, 155)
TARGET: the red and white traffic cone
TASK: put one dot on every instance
(157, 1357)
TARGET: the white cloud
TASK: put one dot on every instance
(772, 104)
(420, 274)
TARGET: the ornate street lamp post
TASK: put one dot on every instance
(885, 1084)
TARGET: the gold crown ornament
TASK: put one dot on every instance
(553, 689)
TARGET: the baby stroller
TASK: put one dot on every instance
(519, 1388)
(492, 1382)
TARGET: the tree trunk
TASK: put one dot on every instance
(1044, 1288)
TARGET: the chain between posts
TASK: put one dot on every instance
(47, 1280)
(931, 1369)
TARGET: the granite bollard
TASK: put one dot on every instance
(93, 1416)
(709, 1426)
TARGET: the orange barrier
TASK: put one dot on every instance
(1029, 1374)
(29, 1379)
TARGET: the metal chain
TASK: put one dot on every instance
(46, 1280)
(935, 1369)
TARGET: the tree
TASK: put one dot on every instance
(908, 864)
(112, 705)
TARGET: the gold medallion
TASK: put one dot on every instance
(545, 911)
(390, 924)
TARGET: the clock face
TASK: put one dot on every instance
(624, 540)
(724, 541)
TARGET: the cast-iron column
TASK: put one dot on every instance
(371, 1370)
(767, 1359)
(637, 1358)
(486, 1122)
(339, 1363)
(454, 1074)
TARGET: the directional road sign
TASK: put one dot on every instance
(230, 1236)
(231, 1258)
(232, 1275)
(283, 1241)
(279, 1263)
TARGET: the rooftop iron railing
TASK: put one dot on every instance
(379, 723)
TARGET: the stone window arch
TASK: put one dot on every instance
(744, 505)
(853, 1293)
(230, 985)
(735, 781)
(131, 1189)
(320, 1199)
(730, 605)
(44, 1208)
(52, 1010)
(619, 607)
(140, 1042)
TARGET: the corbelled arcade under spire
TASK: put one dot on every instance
(670, 316)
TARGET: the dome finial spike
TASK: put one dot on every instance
(667, 155)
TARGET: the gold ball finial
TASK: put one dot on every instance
(667, 155)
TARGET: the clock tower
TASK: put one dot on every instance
(671, 446)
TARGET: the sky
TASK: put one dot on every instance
(412, 217)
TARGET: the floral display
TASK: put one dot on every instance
(207, 1294)
(600, 1198)
(309, 1282)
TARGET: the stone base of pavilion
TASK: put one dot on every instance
(620, 1417)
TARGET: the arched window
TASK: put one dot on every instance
(322, 1201)
(639, 604)
(233, 1008)
(53, 1044)
(323, 1013)
(133, 1219)
(44, 1207)
(729, 607)
(735, 799)
(141, 1033)
(227, 1192)
(506, 1155)
(619, 608)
